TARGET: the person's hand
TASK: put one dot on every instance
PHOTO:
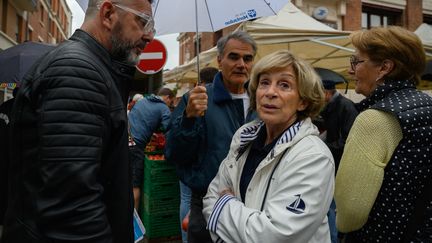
(185, 222)
(226, 191)
(197, 102)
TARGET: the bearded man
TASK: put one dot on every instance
(69, 177)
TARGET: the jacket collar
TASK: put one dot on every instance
(154, 98)
(332, 105)
(221, 94)
(250, 132)
(92, 44)
(384, 90)
(123, 72)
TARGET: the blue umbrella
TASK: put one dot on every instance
(17, 60)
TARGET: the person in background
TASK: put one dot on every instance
(6, 107)
(69, 176)
(168, 97)
(146, 117)
(207, 75)
(137, 97)
(338, 115)
(5, 112)
(384, 177)
(203, 123)
(276, 184)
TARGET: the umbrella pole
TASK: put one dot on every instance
(197, 44)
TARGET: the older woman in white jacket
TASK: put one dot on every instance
(276, 183)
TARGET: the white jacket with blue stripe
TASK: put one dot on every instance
(297, 196)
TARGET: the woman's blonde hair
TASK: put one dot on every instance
(394, 43)
(308, 82)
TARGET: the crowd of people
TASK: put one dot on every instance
(264, 152)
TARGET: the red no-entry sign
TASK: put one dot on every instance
(152, 58)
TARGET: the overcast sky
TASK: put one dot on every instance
(169, 41)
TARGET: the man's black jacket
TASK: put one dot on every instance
(69, 173)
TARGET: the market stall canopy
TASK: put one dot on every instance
(187, 73)
(293, 30)
(290, 29)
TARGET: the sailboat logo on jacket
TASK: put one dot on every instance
(298, 206)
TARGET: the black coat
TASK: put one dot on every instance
(69, 174)
(4, 158)
(338, 116)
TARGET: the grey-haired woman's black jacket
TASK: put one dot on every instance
(69, 175)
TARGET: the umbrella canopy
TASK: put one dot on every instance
(174, 16)
(290, 29)
(17, 60)
(331, 78)
(329, 75)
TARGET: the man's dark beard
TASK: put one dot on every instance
(122, 50)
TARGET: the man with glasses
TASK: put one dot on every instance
(203, 123)
(69, 176)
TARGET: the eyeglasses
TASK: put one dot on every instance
(354, 61)
(146, 20)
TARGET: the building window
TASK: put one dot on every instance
(217, 35)
(42, 13)
(376, 16)
(427, 19)
(331, 24)
(29, 34)
(4, 14)
(49, 26)
(18, 31)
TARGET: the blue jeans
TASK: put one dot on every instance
(331, 215)
(185, 199)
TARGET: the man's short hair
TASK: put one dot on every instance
(166, 91)
(236, 35)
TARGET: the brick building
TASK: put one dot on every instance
(339, 14)
(47, 21)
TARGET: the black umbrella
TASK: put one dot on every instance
(328, 75)
(17, 60)
(427, 74)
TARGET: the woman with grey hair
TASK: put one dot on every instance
(276, 183)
